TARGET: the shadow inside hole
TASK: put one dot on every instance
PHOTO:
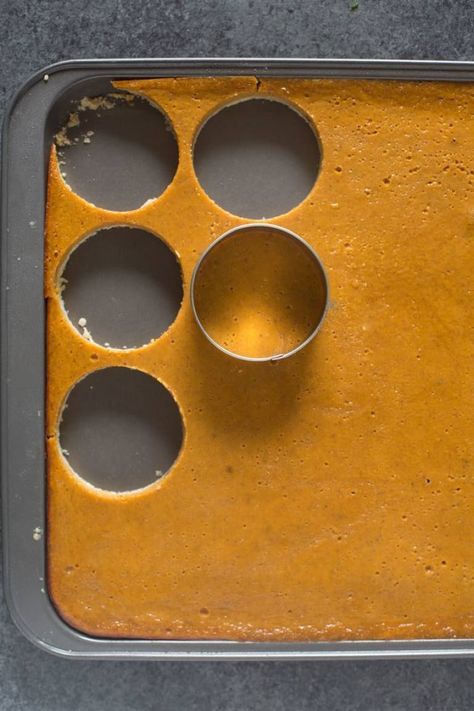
(121, 429)
(119, 157)
(245, 398)
(126, 283)
(257, 159)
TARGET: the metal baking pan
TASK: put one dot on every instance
(27, 133)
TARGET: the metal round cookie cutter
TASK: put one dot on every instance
(321, 286)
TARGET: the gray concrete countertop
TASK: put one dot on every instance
(34, 33)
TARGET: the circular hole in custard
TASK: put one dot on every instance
(257, 158)
(117, 151)
(259, 293)
(122, 287)
(121, 429)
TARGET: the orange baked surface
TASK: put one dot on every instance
(329, 496)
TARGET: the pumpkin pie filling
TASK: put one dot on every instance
(328, 496)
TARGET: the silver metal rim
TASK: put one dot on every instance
(271, 228)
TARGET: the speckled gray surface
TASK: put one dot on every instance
(37, 32)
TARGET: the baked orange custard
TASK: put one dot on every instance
(328, 496)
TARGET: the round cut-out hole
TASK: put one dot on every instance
(257, 159)
(122, 287)
(121, 429)
(259, 292)
(117, 151)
